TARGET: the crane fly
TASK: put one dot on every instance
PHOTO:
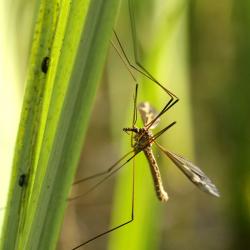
(144, 139)
(151, 119)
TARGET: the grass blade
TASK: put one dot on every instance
(55, 116)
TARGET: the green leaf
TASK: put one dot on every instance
(57, 104)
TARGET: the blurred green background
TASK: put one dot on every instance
(200, 50)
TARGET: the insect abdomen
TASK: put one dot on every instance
(160, 192)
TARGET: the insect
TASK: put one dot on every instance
(142, 141)
(45, 64)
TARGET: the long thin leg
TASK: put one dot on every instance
(138, 67)
(103, 172)
(135, 47)
(154, 137)
(134, 115)
(164, 110)
(173, 98)
(121, 225)
(135, 106)
(110, 173)
(111, 170)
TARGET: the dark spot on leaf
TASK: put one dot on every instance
(22, 180)
(45, 64)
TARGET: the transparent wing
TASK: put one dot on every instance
(148, 113)
(194, 174)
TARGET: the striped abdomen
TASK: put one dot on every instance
(160, 192)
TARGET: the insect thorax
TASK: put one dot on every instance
(142, 138)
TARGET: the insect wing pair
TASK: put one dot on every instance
(192, 172)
